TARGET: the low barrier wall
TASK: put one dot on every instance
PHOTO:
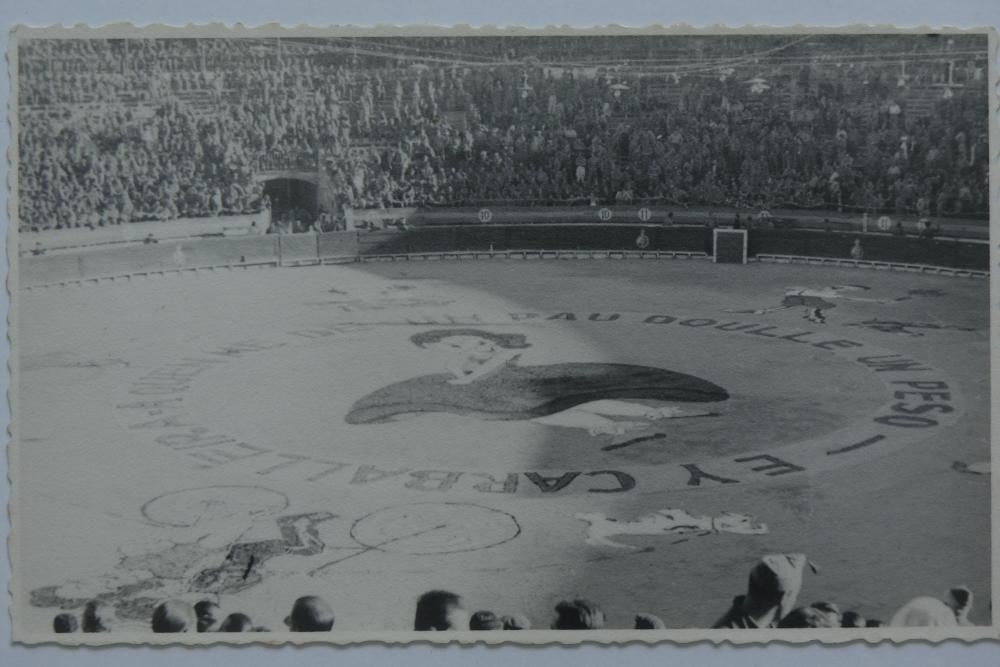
(305, 249)
(338, 246)
(665, 214)
(297, 249)
(232, 225)
(901, 250)
(501, 238)
(112, 262)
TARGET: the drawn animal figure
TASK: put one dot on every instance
(676, 522)
(817, 300)
(179, 568)
(241, 567)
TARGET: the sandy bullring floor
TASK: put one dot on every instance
(189, 437)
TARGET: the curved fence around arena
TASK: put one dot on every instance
(515, 241)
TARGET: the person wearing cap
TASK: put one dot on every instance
(772, 590)
(174, 616)
(310, 613)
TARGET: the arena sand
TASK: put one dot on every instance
(192, 413)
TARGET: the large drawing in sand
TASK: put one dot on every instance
(483, 379)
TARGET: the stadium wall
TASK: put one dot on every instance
(818, 219)
(115, 262)
(966, 255)
(230, 225)
(137, 260)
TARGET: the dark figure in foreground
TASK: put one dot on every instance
(174, 616)
(485, 620)
(236, 623)
(771, 593)
(64, 623)
(208, 615)
(440, 610)
(310, 613)
(578, 615)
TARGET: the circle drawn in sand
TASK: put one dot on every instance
(422, 529)
(190, 507)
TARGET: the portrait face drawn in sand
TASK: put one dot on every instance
(484, 379)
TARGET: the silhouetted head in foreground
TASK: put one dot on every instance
(775, 582)
(516, 622)
(485, 620)
(924, 612)
(852, 619)
(578, 615)
(64, 623)
(174, 616)
(772, 590)
(817, 615)
(310, 613)
(648, 622)
(960, 600)
(236, 623)
(96, 617)
(440, 610)
(208, 615)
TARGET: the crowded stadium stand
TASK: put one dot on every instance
(115, 132)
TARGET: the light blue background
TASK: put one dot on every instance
(532, 13)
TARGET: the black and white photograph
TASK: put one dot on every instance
(506, 336)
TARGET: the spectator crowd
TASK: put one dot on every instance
(771, 600)
(114, 131)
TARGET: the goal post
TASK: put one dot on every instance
(729, 246)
